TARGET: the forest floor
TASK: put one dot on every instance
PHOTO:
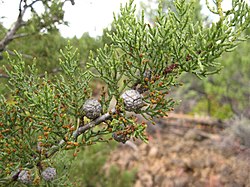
(183, 155)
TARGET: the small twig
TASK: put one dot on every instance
(17, 25)
(93, 123)
(20, 6)
(31, 4)
(219, 8)
(82, 129)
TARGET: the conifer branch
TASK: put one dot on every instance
(81, 130)
(138, 69)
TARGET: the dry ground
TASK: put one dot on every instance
(184, 155)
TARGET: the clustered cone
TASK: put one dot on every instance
(92, 108)
(49, 174)
(132, 100)
(25, 177)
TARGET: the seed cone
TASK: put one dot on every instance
(25, 177)
(92, 108)
(132, 100)
(49, 174)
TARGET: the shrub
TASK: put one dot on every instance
(44, 115)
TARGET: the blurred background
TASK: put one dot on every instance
(198, 145)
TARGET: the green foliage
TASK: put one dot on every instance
(227, 93)
(151, 12)
(211, 107)
(49, 112)
(40, 109)
(53, 14)
(85, 44)
(44, 49)
(87, 168)
(176, 44)
(42, 20)
(231, 86)
(38, 32)
(125, 178)
(44, 115)
(221, 95)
